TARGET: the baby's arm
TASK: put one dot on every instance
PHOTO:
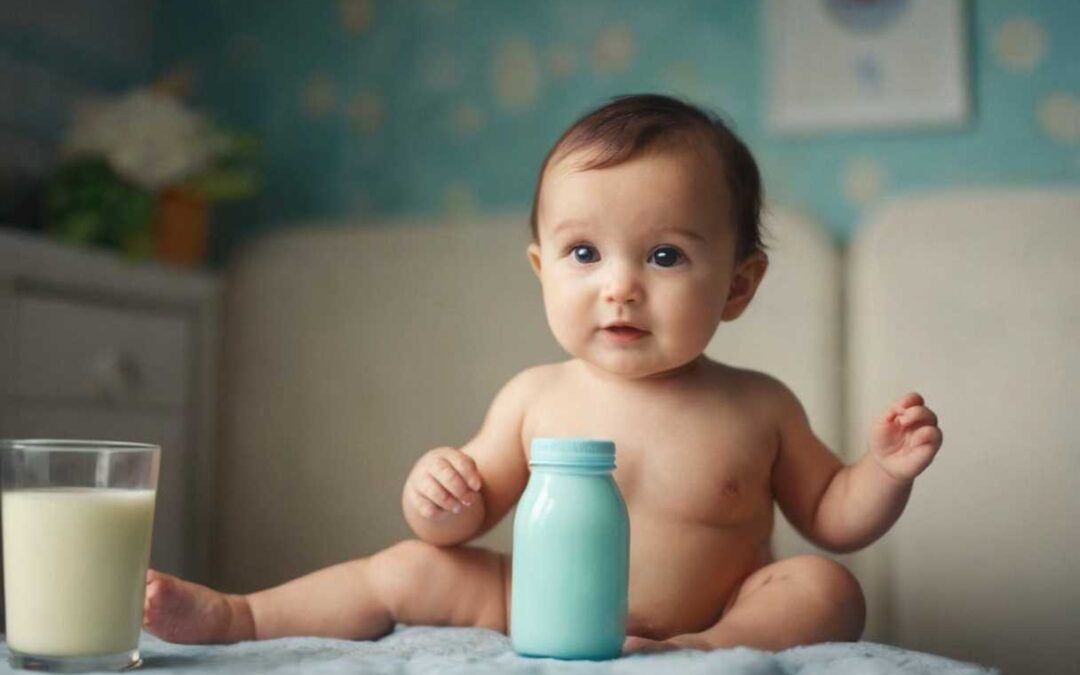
(844, 508)
(482, 481)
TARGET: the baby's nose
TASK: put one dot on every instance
(622, 284)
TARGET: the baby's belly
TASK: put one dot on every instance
(682, 575)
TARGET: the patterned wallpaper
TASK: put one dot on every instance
(53, 54)
(377, 108)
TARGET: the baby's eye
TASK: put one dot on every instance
(666, 256)
(583, 253)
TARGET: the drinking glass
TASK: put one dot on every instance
(77, 521)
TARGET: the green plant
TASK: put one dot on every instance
(87, 202)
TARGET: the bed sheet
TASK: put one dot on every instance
(420, 650)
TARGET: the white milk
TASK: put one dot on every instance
(75, 569)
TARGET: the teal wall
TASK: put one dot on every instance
(53, 54)
(375, 108)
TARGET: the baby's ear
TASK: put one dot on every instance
(534, 257)
(748, 275)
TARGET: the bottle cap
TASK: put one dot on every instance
(589, 453)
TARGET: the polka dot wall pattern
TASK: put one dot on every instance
(459, 202)
(1020, 44)
(357, 16)
(440, 106)
(320, 96)
(515, 74)
(366, 112)
(467, 119)
(613, 51)
(441, 70)
(1059, 117)
(562, 61)
(863, 181)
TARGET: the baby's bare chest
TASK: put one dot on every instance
(692, 463)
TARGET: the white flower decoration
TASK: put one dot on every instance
(148, 138)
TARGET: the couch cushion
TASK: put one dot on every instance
(973, 299)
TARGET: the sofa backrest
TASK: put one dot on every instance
(973, 299)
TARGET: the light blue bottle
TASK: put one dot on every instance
(571, 554)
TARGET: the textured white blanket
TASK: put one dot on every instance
(448, 651)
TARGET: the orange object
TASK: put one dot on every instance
(181, 227)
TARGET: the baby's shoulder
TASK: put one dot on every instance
(532, 382)
(752, 388)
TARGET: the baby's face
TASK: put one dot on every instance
(635, 260)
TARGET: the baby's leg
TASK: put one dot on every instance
(796, 601)
(411, 582)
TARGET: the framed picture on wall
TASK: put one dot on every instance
(858, 65)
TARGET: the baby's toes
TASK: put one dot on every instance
(152, 603)
(634, 644)
(156, 581)
(163, 596)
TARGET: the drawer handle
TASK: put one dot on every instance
(115, 374)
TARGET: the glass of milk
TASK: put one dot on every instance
(77, 517)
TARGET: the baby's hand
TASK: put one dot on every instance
(905, 439)
(444, 480)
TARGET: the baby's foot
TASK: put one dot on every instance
(181, 611)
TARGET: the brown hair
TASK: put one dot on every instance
(627, 125)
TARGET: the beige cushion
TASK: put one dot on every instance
(974, 300)
(350, 352)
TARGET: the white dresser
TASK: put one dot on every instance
(94, 346)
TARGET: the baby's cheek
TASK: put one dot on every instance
(693, 322)
(687, 343)
(565, 323)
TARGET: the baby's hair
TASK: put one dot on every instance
(628, 125)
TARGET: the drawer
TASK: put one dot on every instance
(73, 351)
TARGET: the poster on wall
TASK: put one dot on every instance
(865, 65)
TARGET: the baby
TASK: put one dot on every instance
(645, 238)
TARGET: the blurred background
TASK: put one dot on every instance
(251, 233)
(363, 109)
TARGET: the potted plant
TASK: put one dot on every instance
(139, 175)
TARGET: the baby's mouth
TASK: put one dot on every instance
(624, 334)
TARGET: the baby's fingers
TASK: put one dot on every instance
(466, 468)
(423, 505)
(430, 487)
(447, 474)
(929, 437)
(902, 404)
(917, 416)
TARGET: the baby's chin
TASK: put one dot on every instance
(633, 367)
